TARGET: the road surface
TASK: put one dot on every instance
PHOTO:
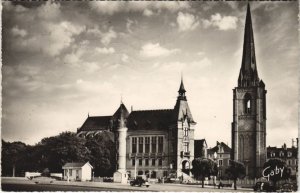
(22, 184)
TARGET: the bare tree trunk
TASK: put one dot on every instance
(202, 183)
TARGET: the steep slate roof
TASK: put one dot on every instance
(96, 123)
(200, 142)
(121, 110)
(151, 119)
(285, 151)
(226, 148)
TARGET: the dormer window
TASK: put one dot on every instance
(289, 154)
(272, 154)
(281, 154)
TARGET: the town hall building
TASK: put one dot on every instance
(155, 143)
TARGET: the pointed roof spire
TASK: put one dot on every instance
(181, 88)
(248, 72)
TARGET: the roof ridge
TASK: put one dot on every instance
(153, 110)
(100, 116)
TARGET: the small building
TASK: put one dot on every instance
(200, 147)
(220, 154)
(76, 171)
(288, 154)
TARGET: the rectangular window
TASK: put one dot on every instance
(186, 147)
(134, 145)
(140, 162)
(220, 162)
(147, 144)
(185, 131)
(146, 162)
(153, 162)
(133, 162)
(160, 162)
(141, 144)
(153, 146)
(70, 172)
(160, 144)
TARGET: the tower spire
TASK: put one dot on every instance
(181, 90)
(248, 72)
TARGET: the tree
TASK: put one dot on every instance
(275, 169)
(12, 156)
(202, 168)
(54, 152)
(236, 170)
(102, 156)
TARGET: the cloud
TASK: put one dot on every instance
(49, 10)
(55, 38)
(222, 23)
(186, 21)
(151, 50)
(129, 24)
(125, 58)
(105, 50)
(111, 7)
(16, 31)
(147, 12)
(105, 37)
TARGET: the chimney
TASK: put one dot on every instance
(131, 108)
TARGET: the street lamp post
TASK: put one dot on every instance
(135, 167)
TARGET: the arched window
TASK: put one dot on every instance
(247, 103)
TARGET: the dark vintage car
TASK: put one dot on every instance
(139, 181)
(264, 187)
(287, 187)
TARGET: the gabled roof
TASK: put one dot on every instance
(151, 119)
(226, 148)
(200, 143)
(96, 123)
(74, 165)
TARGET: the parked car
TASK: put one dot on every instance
(287, 187)
(139, 181)
(264, 187)
(43, 180)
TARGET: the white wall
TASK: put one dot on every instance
(86, 172)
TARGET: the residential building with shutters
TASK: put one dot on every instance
(221, 155)
(288, 154)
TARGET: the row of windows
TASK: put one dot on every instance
(291, 162)
(139, 145)
(70, 172)
(149, 174)
(281, 154)
(147, 162)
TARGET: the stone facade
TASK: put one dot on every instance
(249, 110)
(158, 143)
(222, 157)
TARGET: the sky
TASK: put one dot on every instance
(65, 60)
